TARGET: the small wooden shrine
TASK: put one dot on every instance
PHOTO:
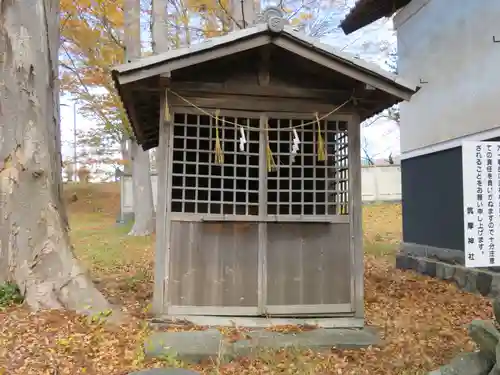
(259, 195)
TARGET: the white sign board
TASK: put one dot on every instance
(481, 187)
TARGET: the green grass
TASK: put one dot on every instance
(107, 246)
(382, 229)
(9, 295)
(99, 242)
(120, 264)
(380, 249)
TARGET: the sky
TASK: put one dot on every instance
(372, 43)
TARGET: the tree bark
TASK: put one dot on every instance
(35, 250)
(124, 147)
(144, 222)
(159, 30)
(243, 13)
(141, 166)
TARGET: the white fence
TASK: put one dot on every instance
(379, 183)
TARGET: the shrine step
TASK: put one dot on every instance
(196, 346)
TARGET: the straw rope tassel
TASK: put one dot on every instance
(271, 165)
(219, 154)
(321, 142)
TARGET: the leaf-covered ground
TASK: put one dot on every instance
(423, 320)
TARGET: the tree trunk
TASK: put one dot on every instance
(144, 222)
(35, 250)
(127, 160)
(141, 179)
(159, 30)
(243, 13)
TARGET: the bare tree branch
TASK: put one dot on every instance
(229, 14)
(98, 110)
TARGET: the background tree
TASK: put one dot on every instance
(367, 157)
(35, 250)
(91, 44)
(94, 37)
(392, 63)
(190, 21)
(99, 153)
(93, 41)
(84, 174)
(141, 176)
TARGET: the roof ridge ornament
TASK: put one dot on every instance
(274, 17)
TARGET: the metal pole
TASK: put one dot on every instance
(75, 171)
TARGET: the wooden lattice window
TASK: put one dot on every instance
(302, 184)
(200, 184)
(298, 185)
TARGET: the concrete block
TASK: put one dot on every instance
(483, 282)
(421, 266)
(195, 346)
(445, 271)
(449, 271)
(460, 276)
(402, 262)
(430, 267)
(495, 286)
(413, 263)
(317, 339)
(470, 280)
(189, 346)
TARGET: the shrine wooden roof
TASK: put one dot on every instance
(143, 110)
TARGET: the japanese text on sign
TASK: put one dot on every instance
(481, 191)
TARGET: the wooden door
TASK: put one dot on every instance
(212, 218)
(308, 247)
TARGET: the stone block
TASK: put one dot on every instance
(470, 280)
(195, 346)
(317, 339)
(460, 276)
(483, 282)
(421, 266)
(486, 336)
(402, 262)
(449, 271)
(412, 263)
(495, 286)
(189, 346)
(466, 364)
(430, 267)
(440, 270)
(444, 271)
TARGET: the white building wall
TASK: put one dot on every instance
(449, 44)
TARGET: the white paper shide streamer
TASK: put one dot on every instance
(243, 139)
(295, 145)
